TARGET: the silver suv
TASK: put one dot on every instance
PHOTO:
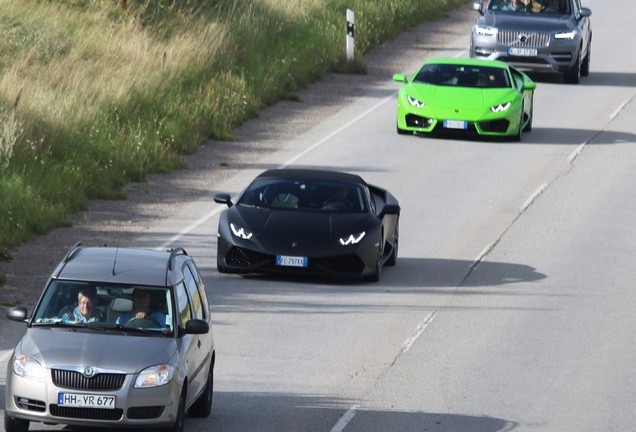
(538, 35)
(119, 338)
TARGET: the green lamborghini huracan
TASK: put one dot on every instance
(466, 97)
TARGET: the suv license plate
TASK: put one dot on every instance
(523, 52)
(85, 400)
(455, 124)
(291, 261)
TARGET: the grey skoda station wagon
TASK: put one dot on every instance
(535, 35)
(119, 338)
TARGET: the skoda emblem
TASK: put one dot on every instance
(294, 244)
(88, 372)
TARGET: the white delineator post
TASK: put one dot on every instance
(350, 35)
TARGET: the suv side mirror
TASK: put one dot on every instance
(478, 6)
(197, 326)
(17, 313)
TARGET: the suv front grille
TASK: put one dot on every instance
(522, 39)
(77, 381)
(86, 413)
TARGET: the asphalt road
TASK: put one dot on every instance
(511, 307)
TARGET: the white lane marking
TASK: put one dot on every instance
(620, 108)
(350, 414)
(191, 227)
(345, 419)
(577, 152)
(418, 332)
(533, 197)
(337, 131)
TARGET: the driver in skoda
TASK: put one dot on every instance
(141, 309)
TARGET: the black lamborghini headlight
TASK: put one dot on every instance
(352, 239)
(240, 232)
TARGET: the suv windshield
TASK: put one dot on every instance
(533, 6)
(96, 304)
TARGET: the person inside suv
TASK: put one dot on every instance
(86, 310)
(142, 310)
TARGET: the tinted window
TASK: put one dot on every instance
(463, 76)
(193, 292)
(290, 194)
(183, 305)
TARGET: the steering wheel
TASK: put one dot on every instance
(338, 204)
(147, 322)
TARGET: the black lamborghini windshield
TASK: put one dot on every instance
(314, 195)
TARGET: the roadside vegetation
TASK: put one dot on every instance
(98, 93)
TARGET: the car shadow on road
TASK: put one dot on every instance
(290, 413)
(411, 272)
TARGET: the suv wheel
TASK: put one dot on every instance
(178, 423)
(15, 425)
(573, 76)
(585, 67)
(203, 405)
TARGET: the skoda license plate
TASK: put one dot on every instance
(85, 400)
(291, 261)
(455, 124)
(522, 52)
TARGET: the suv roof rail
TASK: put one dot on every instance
(69, 256)
(173, 254)
(72, 251)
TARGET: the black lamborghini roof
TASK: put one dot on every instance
(312, 174)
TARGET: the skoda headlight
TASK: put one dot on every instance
(240, 232)
(28, 368)
(416, 103)
(352, 239)
(484, 31)
(566, 35)
(500, 108)
(154, 376)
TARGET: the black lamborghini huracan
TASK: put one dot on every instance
(308, 221)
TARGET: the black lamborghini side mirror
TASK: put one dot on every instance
(223, 198)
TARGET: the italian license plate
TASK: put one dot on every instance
(85, 400)
(522, 52)
(291, 261)
(455, 124)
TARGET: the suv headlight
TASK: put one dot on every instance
(566, 36)
(154, 376)
(28, 368)
(484, 31)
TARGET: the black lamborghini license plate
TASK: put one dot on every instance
(291, 261)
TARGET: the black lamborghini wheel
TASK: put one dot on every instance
(394, 254)
(375, 277)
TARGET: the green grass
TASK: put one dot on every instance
(93, 96)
